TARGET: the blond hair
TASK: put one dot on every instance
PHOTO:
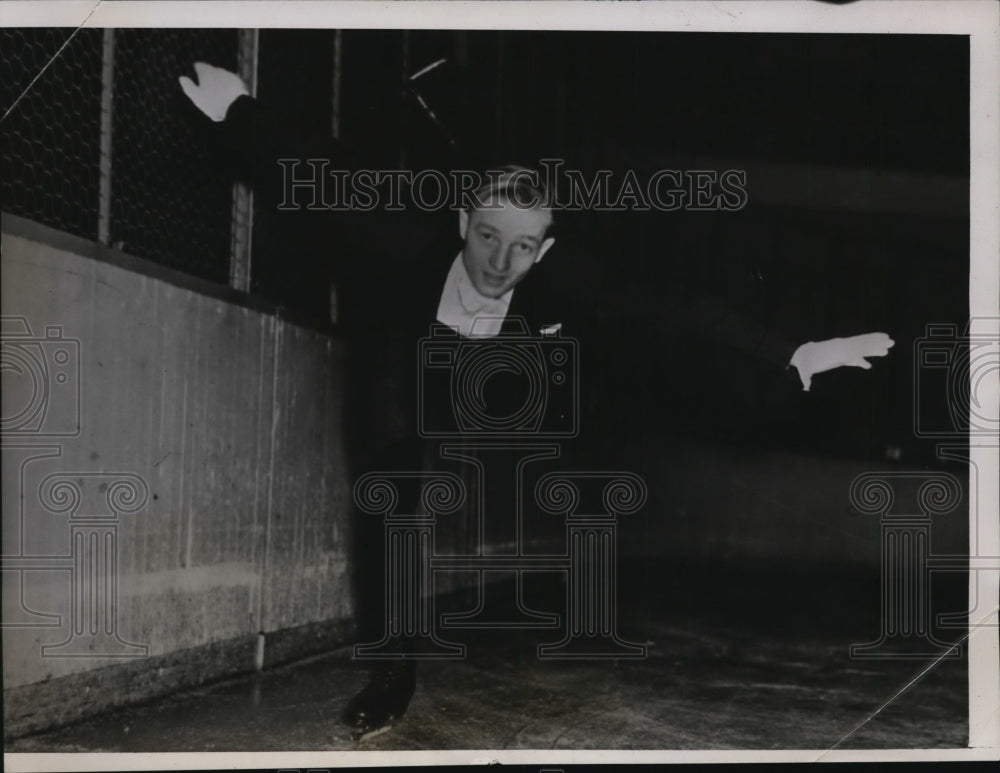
(521, 186)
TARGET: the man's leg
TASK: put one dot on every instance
(383, 438)
(391, 683)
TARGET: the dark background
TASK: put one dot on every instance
(805, 262)
(792, 109)
(748, 550)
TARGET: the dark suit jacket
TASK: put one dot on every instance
(390, 268)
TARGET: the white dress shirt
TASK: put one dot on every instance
(466, 310)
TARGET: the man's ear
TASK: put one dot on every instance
(544, 248)
(463, 223)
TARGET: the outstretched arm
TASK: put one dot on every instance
(820, 356)
(709, 317)
(251, 135)
(271, 151)
(215, 91)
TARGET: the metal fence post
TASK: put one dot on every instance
(107, 105)
(242, 217)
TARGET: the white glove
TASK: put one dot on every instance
(215, 91)
(815, 357)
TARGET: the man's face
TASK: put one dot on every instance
(502, 244)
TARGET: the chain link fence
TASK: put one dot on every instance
(169, 201)
(99, 141)
(50, 126)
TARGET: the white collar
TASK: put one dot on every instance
(468, 311)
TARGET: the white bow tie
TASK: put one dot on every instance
(468, 311)
(476, 304)
(487, 307)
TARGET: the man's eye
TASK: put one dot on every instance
(485, 236)
(525, 247)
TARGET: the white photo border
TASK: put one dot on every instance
(978, 20)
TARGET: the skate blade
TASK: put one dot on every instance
(372, 733)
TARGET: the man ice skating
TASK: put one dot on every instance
(496, 262)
